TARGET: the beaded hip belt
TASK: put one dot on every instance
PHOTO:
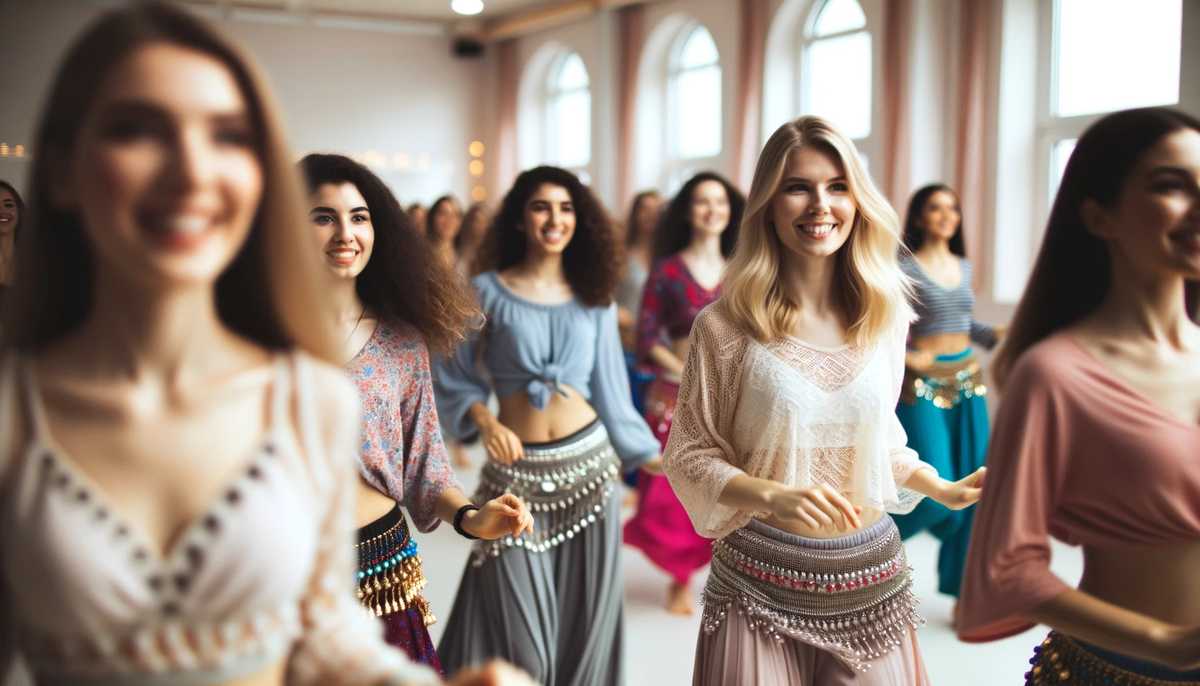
(945, 384)
(1061, 661)
(389, 575)
(565, 483)
(850, 596)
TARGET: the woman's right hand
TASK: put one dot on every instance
(501, 443)
(816, 507)
(494, 673)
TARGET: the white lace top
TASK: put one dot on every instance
(791, 412)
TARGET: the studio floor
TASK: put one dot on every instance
(659, 646)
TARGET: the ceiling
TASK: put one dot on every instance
(438, 10)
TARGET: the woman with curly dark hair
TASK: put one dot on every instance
(443, 224)
(393, 297)
(12, 209)
(693, 240)
(553, 357)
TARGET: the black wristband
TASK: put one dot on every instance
(458, 517)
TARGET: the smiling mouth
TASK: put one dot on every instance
(177, 231)
(553, 235)
(1189, 239)
(817, 231)
(342, 256)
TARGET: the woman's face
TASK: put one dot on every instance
(164, 173)
(10, 213)
(940, 216)
(1155, 224)
(709, 212)
(447, 220)
(549, 220)
(813, 210)
(342, 222)
(647, 214)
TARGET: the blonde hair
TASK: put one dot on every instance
(872, 291)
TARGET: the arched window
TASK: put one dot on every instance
(1087, 78)
(568, 114)
(836, 74)
(694, 89)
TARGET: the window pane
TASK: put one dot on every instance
(1113, 54)
(1059, 154)
(838, 75)
(571, 74)
(572, 138)
(838, 16)
(697, 117)
(699, 50)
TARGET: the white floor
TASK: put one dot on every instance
(659, 646)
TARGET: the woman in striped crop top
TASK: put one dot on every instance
(942, 404)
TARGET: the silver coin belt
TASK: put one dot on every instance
(566, 488)
(856, 602)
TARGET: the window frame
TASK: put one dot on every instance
(552, 96)
(677, 169)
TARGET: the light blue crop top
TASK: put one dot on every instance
(540, 349)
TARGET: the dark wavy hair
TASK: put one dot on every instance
(429, 218)
(591, 261)
(264, 295)
(674, 230)
(403, 280)
(631, 233)
(914, 233)
(1098, 170)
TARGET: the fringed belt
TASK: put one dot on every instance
(946, 383)
(565, 483)
(1060, 660)
(390, 578)
(851, 596)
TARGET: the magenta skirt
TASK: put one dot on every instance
(661, 527)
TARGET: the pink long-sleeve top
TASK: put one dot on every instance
(401, 452)
(788, 411)
(1079, 455)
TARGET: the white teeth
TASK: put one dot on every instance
(185, 224)
(817, 230)
(553, 235)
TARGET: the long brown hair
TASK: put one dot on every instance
(591, 261)
(1098, 168)
(404, 280)
(267, 293)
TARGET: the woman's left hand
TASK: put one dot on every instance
(506, 515)
(963, 493)
(654, 466)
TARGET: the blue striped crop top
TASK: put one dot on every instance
(945, 310)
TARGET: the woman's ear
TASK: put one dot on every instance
(1095, 218)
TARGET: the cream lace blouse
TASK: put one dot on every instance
(791, 412)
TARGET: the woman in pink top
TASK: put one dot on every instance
(1097, 440)
(393, 298)
(785, 445)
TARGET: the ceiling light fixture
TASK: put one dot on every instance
(467, 7)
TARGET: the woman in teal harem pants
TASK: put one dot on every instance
(943, 404)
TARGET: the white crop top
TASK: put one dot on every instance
(790, 412)
(266, 572)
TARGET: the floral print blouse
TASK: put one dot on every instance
(401, 452)
(670, 302)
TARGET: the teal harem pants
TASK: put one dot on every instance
(944, 413)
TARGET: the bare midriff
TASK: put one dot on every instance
(562, 416)
(942, 343)
(1157, 581)
(272, 675)
(868, 516)
(370, 504)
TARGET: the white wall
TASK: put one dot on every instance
(341, 90)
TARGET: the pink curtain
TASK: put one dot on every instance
(976, 56)
(897, 51)
(504, 166)
(630, 37)
(747, 121)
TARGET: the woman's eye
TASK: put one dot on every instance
(360, 219)
(130, 129)
(796, 188)
(322, 220)
(234, 136)
(839, 187)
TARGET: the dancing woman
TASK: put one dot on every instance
(175, 470)
(786, 447)
(943, 404)
(695, 236)
(1098, 432)
(566, 428)
(12, 210)
(392, 298)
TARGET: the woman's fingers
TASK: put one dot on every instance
(842, 504)
(818, 513)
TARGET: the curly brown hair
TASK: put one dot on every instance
(403, 280)
(591, 261)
